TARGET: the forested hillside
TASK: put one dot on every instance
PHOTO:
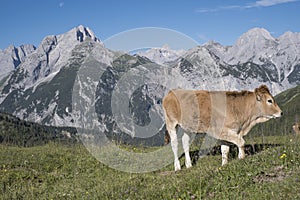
(14, 131)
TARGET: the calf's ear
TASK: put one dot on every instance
(258, 94)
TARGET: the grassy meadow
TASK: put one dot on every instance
(271, 170)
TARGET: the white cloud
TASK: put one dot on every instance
(256, 4)
(204, 10)
(266, 3)
(61, 4)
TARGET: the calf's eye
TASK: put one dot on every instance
(270, 101)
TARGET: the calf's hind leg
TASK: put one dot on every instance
(186, 148)
(171, 128)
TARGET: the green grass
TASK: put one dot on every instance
(56, 171)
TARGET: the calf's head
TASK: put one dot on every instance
(267, 105)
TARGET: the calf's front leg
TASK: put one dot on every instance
(224, 151)
(241, 152)
(236, 139)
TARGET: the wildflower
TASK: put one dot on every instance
(283, 156)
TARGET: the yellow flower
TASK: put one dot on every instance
(283, 156)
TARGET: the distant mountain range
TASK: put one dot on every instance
(36, 83)
(255, 58)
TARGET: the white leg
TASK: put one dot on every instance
(237, 140)
(241, 144)
(174, 144)
(186, 148)
(224, 151)
(241, 152)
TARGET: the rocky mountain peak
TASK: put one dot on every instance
(251, 46)
(256, 34)
(216, 48)
(162, 54)
(290, 38)
(81, 33)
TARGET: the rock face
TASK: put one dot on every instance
(36, 84)
(40, 88)
(12, 57)
(278, 57)
(161, 55)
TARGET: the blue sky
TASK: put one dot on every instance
(29, 21)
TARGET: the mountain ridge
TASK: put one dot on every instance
(40, 88)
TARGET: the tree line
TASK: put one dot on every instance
(14, 131)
